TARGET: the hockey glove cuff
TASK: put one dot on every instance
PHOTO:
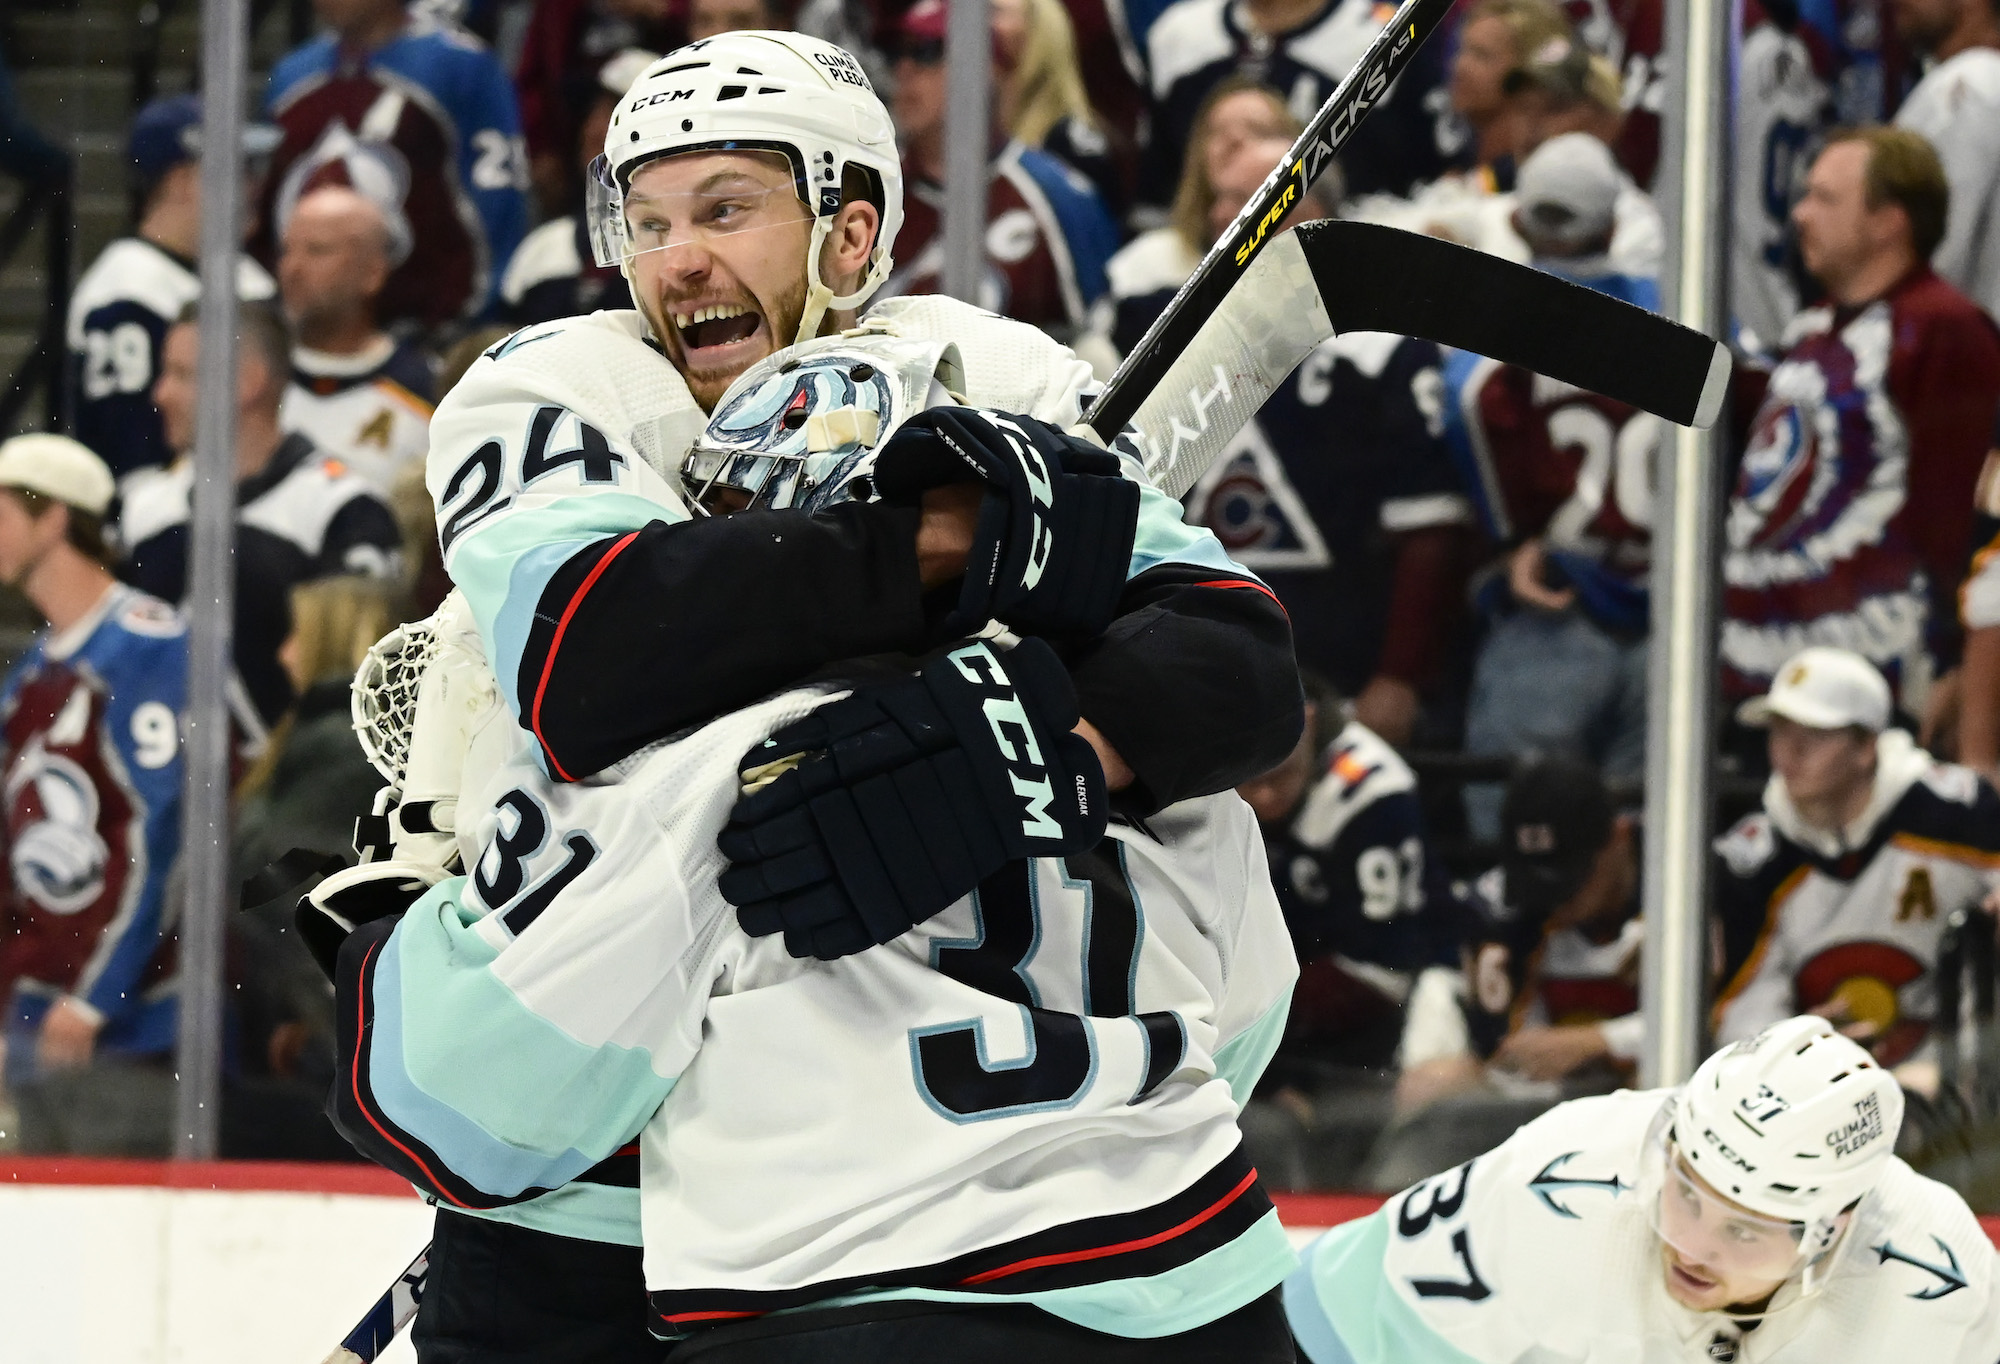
(894, 802)
(1053, 544)
(347, 899)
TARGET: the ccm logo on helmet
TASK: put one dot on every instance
(658, 97)
(1864, 1127)
(1028, 774)
(1723, 1149)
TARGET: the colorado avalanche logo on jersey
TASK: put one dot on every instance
(1248, 500)
(58, 859)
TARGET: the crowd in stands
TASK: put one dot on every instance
(1463, 547)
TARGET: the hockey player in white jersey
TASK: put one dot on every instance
(1757, 1215)
(1026, 1105)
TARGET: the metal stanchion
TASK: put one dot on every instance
(1680, 738)
(211, 594)
(967, 142)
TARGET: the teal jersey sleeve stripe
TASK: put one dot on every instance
(1164, 537)
(1344, 1310)
(1241, 1060)
(582, 1212)
(525, 1106)
(504, 566)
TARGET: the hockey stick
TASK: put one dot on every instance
(390, 1314)
(1174, 330)
(1328, 277)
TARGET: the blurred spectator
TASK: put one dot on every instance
(417, 115)
(1048, 235)
(90, 729)
(864, 27)
(1782, 106)
(1546, 1004)
(1303, 48)
(1564, 480)
(708, 18)
(356, 393)
(121, 308)
(1975, 717)
(1834, 896)
(25, 153)
(1566, 89)
(567, 43)
(1498, 38)
(1367, 904)
(299, 514)
(554, 274)
(1852, 509)
(1146, 271)
(1956, 106)
(1111, 55)
(1040, 99)
(1340, 494)
(1630, 37)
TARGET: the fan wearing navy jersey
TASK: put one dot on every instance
(1850, 518)
(1563, 479)
(121, 308)
(1048, 234)
(299, 514)
(1303, 53)
(435, 103)
(1340, 493)
(357, 393)
(90, 740)
(1834, 897)
(1367, 904)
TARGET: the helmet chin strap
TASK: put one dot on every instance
(820, 298)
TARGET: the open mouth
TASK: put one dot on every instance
(721, 324)
(1689, 1279)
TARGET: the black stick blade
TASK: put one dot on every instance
(1376, 278)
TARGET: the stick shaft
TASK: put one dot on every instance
(1331, 128)
(386, 1319)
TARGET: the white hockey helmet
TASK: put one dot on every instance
(757, 91)
(1796, 1124)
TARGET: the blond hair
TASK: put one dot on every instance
(1903, 169)
(1047, 81)
(1196, 195)
(1532, 23)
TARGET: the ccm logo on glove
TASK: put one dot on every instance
(1015, 737)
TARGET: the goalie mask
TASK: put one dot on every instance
(786, 93)
(800, 428)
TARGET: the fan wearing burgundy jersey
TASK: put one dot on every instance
(1563, 479)
(388, 87)
(1851, 514)
(90, 742)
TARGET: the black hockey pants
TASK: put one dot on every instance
(502, 1294)
(953, 1333)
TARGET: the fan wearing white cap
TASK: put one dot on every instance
(90, 743)
(1836, 895)
(1755, 1215)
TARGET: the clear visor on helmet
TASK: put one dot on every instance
(1718, 1240)
(641, 219)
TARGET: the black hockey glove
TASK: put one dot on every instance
(1054, 540)
(897, 800)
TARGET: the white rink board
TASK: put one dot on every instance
(136, 1275)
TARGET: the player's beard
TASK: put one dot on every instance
(780, 325)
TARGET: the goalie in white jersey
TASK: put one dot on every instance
(1028, 1100)
(1757, 1215)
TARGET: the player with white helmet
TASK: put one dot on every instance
(1758, 1213)
(750, 192)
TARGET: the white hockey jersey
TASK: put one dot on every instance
(1781, 110)
(1957, 107)
(1542, 1250)
(1031, 1096)
(1855, 918)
